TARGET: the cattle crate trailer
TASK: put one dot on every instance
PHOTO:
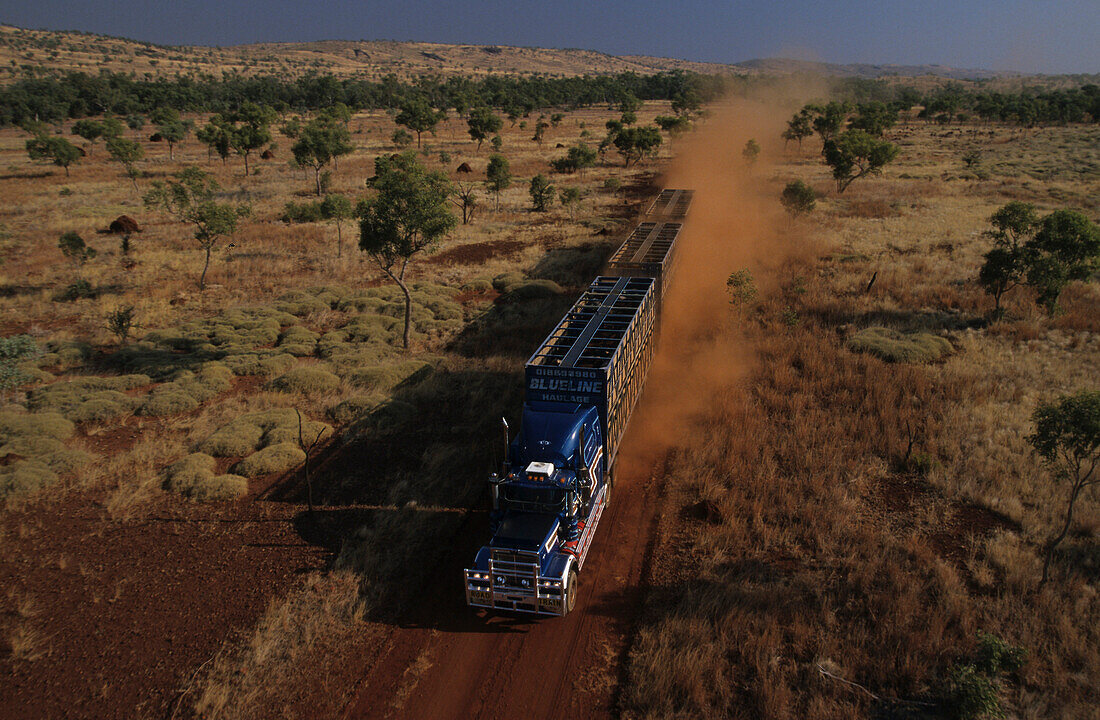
(649, 251)
(673, 204)
(581, 386)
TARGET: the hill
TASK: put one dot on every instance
(36, 53)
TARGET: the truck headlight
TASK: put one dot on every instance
(500, 580)
(525, 583)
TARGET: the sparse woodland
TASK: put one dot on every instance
(851, 525)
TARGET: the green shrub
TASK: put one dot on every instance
(105, 405)
(311, 429)
(306, 381)
(478, 285)
(168, 401)
(252, 431)
(66, 354)
(79, 290)
(306, 212)
(237, 438)
(301, 304)
(24, 477)
(353, 408)
(971, 694)
(193, 477)
(533, 290)
(895, 346)
(298, 341)
(506, 281)
(272, 459)
(31, 375)
(387, 377)
(994, 656)
(46, 450)
(259, 364)
(88, 398)
(46, 424)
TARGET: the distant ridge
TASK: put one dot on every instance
(40, 53)
(772, 66)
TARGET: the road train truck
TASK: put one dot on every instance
(581, 386)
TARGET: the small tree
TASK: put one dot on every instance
(465, 199)
(171, 127)
(190, 198)
(542, 193)
(112, 127)
(540, 131)
(854, 154)
(482, 123)
(127, 153)
(407, 215)
(1067, 438)
(337, 209)
(250, 129)
(307, 448)
(798, 198)
(799, 127)
(75, 249)
(401, 138)
(875, 117)
(56, 150)
(751, 151)
(419, 116)
(1005, 264)
(1066, 247)
(686, 103)
(498, 176)
(216, 136)
(90, 130)
(120, 322)
(828, 120)
(741, 287)
(578, 157)
(497, 142)
(319, 143)
(14, 350)
(636, 143)
(673, 124)
(570, 197)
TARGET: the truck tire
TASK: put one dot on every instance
(570, 599)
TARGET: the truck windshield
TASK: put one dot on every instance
(532, 499)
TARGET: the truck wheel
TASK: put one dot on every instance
(570, 599)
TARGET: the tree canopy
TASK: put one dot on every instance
(406, 215)
(856, 153)
(190, 198)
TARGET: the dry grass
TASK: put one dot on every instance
(871, 518)
(865, 517)
(294, 632)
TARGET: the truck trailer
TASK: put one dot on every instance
(581, 386)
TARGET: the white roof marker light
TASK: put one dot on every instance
(541, 468)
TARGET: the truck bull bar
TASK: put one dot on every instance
(513, 583)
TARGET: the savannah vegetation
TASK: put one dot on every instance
(877, 504)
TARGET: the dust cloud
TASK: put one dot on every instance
(735, 222)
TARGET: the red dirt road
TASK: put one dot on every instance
(447, 661)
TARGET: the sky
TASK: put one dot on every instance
(1032, 36)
